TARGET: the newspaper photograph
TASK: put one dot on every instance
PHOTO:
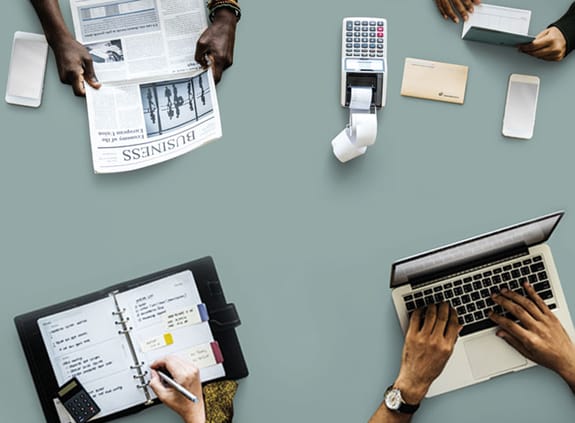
(155, 102)
(130, 39)
(138, 124)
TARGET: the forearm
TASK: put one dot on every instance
(571, 382)
(384, 415)
(568, 376)
(52, 21)
(412, 393)
(195, 419)
(227, 16)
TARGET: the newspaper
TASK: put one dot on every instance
(155, 102)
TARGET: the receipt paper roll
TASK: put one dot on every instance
(361, 130)
(360, 98)
(343, 147)
(364, 128)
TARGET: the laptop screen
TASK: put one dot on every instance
(472, 250)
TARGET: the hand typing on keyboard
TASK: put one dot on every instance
(539, 335)
(429, 342)
(428, 345)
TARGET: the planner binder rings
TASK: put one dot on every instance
(109, 338)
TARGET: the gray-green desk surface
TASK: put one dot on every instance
(303, 244)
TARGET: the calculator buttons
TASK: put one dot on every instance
(364, 38)
(77, 401)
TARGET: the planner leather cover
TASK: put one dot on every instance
(434, 80)
(223, 320)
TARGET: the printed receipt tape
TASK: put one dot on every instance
(361, 130)
(360, 98)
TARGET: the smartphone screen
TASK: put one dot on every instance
(520, 107)
(27, 68)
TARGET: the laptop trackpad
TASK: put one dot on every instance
(489, 355)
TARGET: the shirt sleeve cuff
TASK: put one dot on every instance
(566, 25)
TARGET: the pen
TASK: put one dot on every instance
(177, 386)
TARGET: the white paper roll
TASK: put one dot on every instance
(363, 129)
(360, 98)
(343, 147)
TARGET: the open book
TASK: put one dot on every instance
(155, 102)
(498, 25)
(108, 339)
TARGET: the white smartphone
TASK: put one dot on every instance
(521, 106)
(27, 68)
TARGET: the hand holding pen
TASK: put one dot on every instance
(179, 391)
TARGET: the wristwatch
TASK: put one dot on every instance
(394, 401)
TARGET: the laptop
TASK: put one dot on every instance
(465, 274)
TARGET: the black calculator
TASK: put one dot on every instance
(77, 401)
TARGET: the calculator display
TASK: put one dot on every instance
(365, 65)
(67, 388)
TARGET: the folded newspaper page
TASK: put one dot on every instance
(155, 103)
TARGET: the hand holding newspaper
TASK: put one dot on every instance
(155, 103)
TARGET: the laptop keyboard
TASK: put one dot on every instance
(470, 295)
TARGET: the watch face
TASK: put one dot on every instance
(393, 399)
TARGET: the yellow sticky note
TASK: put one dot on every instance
(168, 338)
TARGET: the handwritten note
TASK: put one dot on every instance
(172, 306)
(186, 317)
(79, 328)
(70, 336)
(115, 393)
(148, 304)
(95, 362)
(156, 342)
(204, 355)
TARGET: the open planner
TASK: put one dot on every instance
(108, 339)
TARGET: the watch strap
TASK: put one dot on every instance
(404, 407)
(408, 408)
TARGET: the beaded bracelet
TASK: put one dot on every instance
(214, 5)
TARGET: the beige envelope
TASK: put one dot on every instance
(434, 80)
